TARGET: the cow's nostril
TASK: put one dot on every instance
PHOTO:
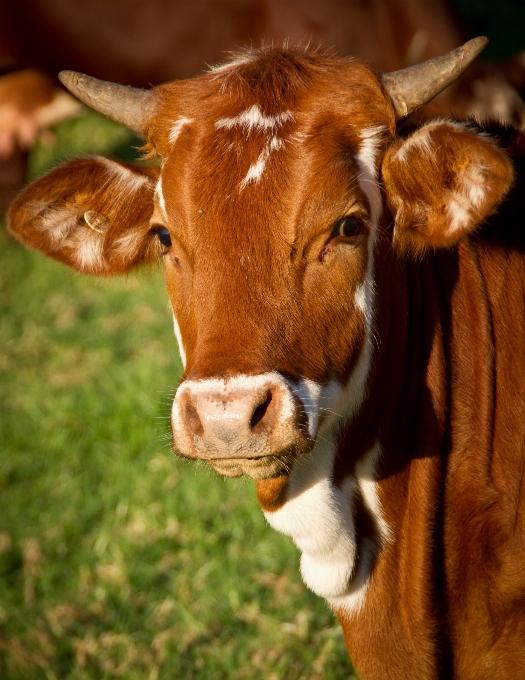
(257, 420)
(193, 421)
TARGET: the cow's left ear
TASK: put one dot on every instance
(441, 182)
(92, 214)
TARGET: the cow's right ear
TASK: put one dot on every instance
(92, 214)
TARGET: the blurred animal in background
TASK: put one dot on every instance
(147, 43)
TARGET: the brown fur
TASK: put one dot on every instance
(436, 171)
(258, 284)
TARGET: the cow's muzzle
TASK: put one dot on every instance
(246, 425)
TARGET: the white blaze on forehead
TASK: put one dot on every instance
(255, 171)
(254, 119)
(177, 127)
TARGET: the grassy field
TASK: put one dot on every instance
(116, 559)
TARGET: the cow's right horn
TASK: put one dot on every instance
(127, 105)
(415, 86)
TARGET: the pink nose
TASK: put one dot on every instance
(226, 424)
(240, 418)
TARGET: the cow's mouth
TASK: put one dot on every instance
(264, 467)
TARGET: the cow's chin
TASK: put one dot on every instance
(265, 467)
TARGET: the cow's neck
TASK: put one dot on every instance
(422, 386)
(344, 500)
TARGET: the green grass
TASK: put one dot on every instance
(118, 560)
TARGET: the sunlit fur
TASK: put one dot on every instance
(378, 398)
(430, 212)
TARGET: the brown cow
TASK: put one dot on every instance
(353, 340)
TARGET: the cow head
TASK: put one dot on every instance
(267, 210)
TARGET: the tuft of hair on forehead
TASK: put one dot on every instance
(273, 78)
(272, 73)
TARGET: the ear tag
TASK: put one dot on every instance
(96, 221)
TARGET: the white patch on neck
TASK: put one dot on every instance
(254, 119)
(319, 516)
(366, 478)
(177, 127)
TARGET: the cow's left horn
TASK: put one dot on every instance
(127, 105)
(414, 86)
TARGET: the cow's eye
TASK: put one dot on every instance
(164, 236)
(347, 226)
